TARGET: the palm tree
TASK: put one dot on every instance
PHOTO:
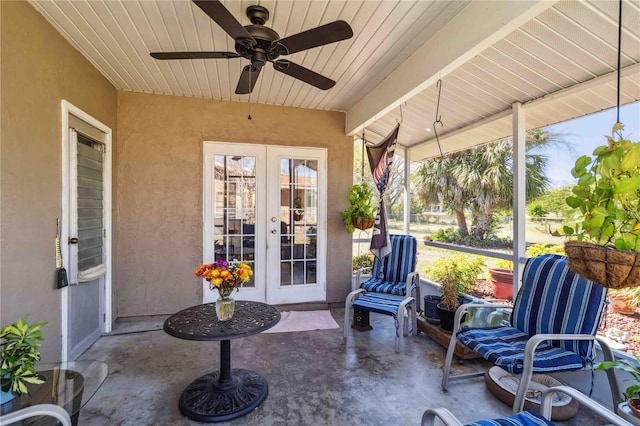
(437, 183)
(480, 179)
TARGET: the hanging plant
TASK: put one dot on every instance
(606, 221)
(361, 211)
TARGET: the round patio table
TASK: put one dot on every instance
(224, 394)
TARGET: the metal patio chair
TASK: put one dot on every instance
(393, 290)
(552, 327)
(528, 417)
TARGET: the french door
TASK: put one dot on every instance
(266, 205)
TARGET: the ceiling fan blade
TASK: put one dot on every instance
(247, 80)
(221, 15)
(319, 36)
(194, 55)
(301, 73)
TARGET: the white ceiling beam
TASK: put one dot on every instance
(475, 28)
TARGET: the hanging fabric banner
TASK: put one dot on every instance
(380, 160)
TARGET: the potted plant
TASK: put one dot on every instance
(632, 393)
(19, 352)
(606, 221)
(361, 211)
(501, 275)
(457, 275)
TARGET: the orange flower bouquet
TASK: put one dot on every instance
(225, 277)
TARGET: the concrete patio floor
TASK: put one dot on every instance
(314, 378)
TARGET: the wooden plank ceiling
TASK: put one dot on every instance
(560, 63)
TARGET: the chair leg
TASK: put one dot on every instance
(446, 370)
(414, 319)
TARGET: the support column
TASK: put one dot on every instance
(519, 192)
(407, 191)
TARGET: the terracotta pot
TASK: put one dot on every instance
(502, 283)
(634, 405)
(621, 306)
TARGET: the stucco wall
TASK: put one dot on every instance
(160, 183)
(38, 69)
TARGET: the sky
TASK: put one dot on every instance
(584, 135)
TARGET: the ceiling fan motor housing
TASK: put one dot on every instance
(259, 53)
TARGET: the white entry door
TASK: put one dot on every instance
(86, 231)
(266, 206)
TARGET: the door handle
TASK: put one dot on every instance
(274, 231)
(73, 240)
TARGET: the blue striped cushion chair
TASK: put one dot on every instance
(386, 292)
(525, 418)
(390, 275)
(552, 300)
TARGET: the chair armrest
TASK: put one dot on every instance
(429, 416)
(601, 410)
(359, 273)
(414, 277)
(51, 410)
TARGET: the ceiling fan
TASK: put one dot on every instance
(261, 44)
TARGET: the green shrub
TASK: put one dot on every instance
(452, 236)
(537, 210)
(458, 270)
(363, 261)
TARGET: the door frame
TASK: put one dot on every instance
(263, 239)
(69, 109)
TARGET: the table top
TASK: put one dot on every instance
(201, 322)
(67, 384)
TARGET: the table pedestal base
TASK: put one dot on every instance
(208, 399)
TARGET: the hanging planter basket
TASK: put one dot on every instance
(363, 223)
(606, 266)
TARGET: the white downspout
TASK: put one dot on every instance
(407, 191)
(519, 193)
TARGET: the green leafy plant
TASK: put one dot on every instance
(361, 200)
(19, 349)
(631, 367)
(457, 274)
(606, 200)
(363, 261)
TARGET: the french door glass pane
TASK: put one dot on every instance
(298, 221)
(235, 209)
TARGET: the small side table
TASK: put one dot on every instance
(224, 394)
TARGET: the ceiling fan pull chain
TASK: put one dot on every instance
(250, 67)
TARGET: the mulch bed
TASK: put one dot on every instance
(630, 323)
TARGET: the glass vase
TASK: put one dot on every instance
(225, 306)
